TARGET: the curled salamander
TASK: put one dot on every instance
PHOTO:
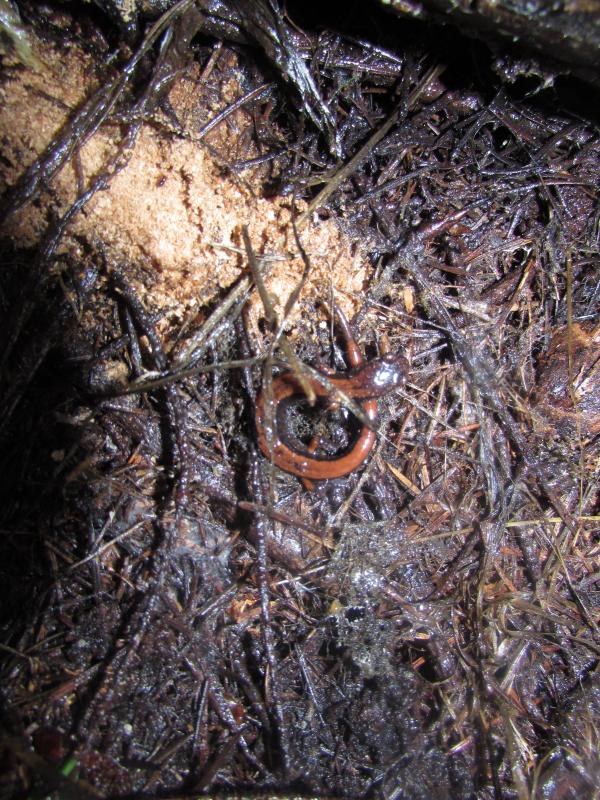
(364, 383)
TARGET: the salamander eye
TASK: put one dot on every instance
(394, 360)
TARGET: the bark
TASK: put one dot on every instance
(566, 33)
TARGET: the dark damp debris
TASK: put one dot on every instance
(179, 617)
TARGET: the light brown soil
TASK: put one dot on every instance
(172, 211)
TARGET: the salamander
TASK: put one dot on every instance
(364, 383)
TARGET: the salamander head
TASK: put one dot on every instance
(381, 375)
